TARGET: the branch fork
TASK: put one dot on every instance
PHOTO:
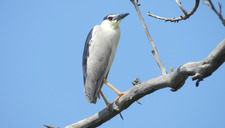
(175, 80)
(219, 13)
(182, 17)
(154, 51)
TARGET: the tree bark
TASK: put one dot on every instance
(175, 80)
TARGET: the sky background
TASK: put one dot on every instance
(41, 79)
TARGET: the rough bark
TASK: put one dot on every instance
(175, 80)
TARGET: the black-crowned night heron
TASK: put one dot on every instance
(99, 51)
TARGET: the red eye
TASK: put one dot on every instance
(109, 18)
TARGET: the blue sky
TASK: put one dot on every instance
(41, 46)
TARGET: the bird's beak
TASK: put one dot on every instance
(121, 16)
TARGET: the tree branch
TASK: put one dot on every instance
(182, 17)
(219, 13)
(154, 51)
(48, 126)
(175, 80)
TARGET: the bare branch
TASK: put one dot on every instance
(175, 80)
(154, 51)
(182, 17)
(181, 7)
(48, 126)
(219, 13)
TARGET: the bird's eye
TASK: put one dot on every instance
(109, 18)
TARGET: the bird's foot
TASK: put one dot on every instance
(119, 95)
(138, 102)
(122, 93)
(107, 105)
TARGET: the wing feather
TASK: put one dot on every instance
(95, 61)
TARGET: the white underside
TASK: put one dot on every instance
(103, 41)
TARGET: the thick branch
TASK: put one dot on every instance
(175, 80)
(219, 13)
(154, 51)
(182, 17)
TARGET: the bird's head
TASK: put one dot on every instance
(113, 20)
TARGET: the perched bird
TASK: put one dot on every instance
(99, 51)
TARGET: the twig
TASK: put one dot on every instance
(136, 81)
(182, 17)
(48, 126)
(175, 80)
(181, 7)
(154, 51)
(219, 13)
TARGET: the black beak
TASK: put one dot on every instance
(121, 16)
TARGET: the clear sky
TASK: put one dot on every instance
(41, 80)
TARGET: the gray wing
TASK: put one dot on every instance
(95, 62)
(86, 54)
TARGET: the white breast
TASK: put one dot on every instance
(104, 40)
(113, 40)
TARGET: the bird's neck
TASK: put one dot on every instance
(106, 25)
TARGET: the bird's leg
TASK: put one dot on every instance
(112, 87)
(106, 102)
(116, 90)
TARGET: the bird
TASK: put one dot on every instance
(98, 55)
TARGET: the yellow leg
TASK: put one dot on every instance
(106, 102)
(112, 87)
(116, 90)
